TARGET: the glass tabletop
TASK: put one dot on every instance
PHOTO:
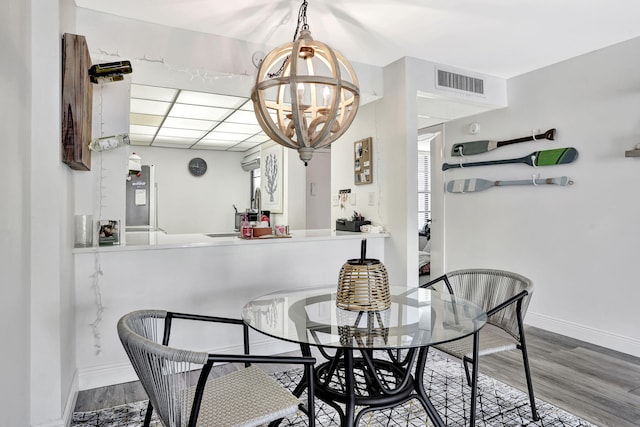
(417, 318)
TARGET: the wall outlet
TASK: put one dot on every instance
(372, 198)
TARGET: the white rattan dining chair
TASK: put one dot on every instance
(178, 385)
(505, 298)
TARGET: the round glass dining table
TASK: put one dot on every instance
(387, 344)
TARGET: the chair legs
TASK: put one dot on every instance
(147, 416)
(527, 372)
(472, 377)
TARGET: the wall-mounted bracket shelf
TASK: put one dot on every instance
(632, 153)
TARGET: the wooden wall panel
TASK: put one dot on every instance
(77, 99)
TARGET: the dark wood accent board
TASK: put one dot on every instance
(77, 102)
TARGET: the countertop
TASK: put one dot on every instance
(148, 240)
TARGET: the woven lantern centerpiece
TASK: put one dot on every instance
(363, 284)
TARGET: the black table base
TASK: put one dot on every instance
(346, 382)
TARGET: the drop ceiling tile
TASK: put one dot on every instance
(243, 117)
(258, 138)
(215, 143)
(210, 99)
(164, 141)
(224, 136)
(145, 119)
(181, 123)
(200, 146)
(180, 133)
(144, 106)
(139, 139)
(238, 128)
(243, 146)
(143, 130)
(247, 106)
(153, 92)
(199, 112)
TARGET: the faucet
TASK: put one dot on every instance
(257, 202)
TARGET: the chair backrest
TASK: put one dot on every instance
(488, 289)
(164, 372)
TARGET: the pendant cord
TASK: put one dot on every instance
(302, 18)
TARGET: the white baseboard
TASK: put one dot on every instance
(69, 406)
(585, 333)
(106, 375)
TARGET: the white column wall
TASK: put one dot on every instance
(385, 121)
(52, 296)
(318, 204)
(15, 110)
(578, 244)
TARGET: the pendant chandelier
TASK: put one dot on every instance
(306, 94)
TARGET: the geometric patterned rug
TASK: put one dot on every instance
(498, 405)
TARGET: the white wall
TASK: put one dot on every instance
(319, 200)
(393, 125)
(197, 204)
(386, 122)
(578, 244)
(15, 167)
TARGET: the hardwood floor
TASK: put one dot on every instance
(595, 383)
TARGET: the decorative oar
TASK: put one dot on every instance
(472, 185)
(556, 156)
(476, 147)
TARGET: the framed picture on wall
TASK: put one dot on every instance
(271, 172)
(362, 162)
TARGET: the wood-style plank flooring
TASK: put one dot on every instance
(595, 383)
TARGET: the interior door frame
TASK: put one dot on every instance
(437, 200)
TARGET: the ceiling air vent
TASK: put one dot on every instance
(447, 79)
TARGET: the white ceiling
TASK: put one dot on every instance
(503, 38)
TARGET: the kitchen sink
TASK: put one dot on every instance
(232, 234)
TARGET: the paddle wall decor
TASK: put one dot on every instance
(556, 156)
(477, 147)
(473, 185)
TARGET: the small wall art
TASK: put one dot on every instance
(362, 162)
(271, 172)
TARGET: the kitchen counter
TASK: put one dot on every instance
(194, 273)
(147, 240)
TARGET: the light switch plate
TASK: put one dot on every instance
(335, 200)
(352, 199)
(372, 198)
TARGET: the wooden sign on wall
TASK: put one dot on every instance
(77, 99)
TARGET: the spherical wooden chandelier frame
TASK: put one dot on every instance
(297, 105)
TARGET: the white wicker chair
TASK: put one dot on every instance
(505, 297)
(178, 385)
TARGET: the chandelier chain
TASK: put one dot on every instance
(302, 19)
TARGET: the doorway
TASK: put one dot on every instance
(430, 203)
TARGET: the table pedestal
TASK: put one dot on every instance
(371, 383)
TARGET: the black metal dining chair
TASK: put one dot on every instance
(179, 386)
(505, 298)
